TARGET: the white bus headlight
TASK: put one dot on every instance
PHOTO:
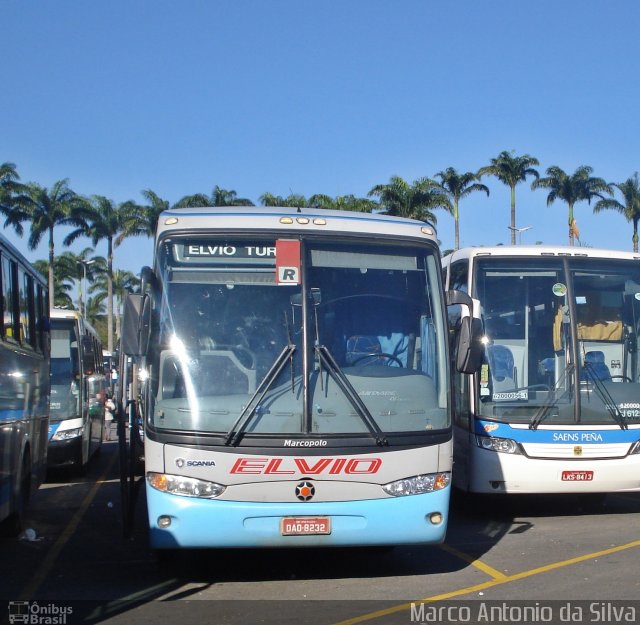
(418, 484)
(184, 486)
(501, 445)
(65, 435)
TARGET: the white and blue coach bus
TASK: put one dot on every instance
(77, 391)
(555, 405)
(24, 383)
(295, 379)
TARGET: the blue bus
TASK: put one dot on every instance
(293, 379)
(24, 383)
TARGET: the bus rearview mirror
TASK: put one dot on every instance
(469, 345)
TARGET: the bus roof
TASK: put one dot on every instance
(295, 220)
(538, 251)
(65, 313)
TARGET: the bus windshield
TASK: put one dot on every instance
(561, 340)
(65, 369)
(348, 348)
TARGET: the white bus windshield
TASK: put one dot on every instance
(65, 369)
(354, 335)
(561, 339)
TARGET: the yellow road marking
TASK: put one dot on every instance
(496, 581)
(485, 568)
(51, 557)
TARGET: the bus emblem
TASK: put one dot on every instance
(577, 450)
(180, 462)
(305, 491)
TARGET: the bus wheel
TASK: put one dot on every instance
(14, 524)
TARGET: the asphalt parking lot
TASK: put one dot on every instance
(553, 552)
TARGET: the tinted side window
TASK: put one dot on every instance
(8, 307)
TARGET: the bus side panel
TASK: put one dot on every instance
(9, 459)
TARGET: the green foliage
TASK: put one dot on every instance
(415, 201)
(579, 186)
(511, 170)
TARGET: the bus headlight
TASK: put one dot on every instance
(65, 435)
(501, 445)
(418, 484)
(184, 486)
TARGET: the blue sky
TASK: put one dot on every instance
(322, 97)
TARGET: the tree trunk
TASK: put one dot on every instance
(51, 259)
(571, 224)
(110, 295)
(456, 225)
(513, 215)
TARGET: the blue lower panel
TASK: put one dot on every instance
(210, 523)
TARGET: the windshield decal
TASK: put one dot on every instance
(559, 289)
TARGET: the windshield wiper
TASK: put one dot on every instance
(551, 400)
(242, 422)
(605, 396)
(346, 387)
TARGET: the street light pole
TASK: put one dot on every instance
(83, 284)
(519, 231)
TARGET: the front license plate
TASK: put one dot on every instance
(577, 476)
(305, 526)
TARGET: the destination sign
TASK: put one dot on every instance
(222, 250)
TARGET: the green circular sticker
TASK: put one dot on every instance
(559, 289)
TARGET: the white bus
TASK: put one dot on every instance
(295, 379)
(77, 391)
(24, 383)
(555, 405)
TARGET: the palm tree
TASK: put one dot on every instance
(104, 220)
(10, 190)
(457, 186)
(343, 202)
(78, 267)
(62, 286)
(321, 200)
(630, 190)
(511, 170)
(46, 209)
(571, 189)
(293, 200)
(142, 220)
(94, 309)
(219, 197)
(123, 282)
(415, 201)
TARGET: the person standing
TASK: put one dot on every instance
(109, 409)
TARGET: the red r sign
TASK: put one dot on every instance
(287, 261)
